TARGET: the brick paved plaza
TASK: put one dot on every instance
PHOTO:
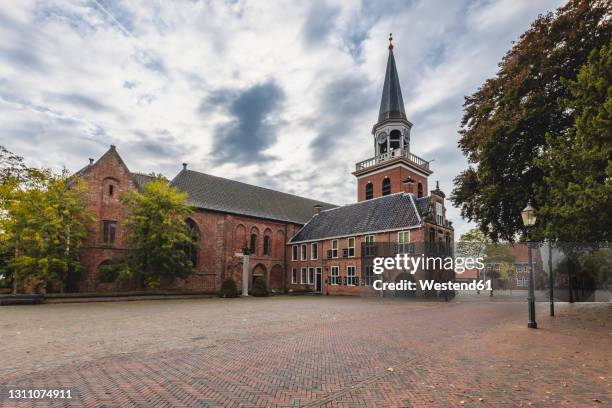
(308, 351)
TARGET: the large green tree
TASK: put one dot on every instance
(578, 162)
(159, 241)
(44, 224)
(507, 124)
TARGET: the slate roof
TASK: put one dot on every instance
(140, 179)
(392, 212)
(422, 205)
(220, 194)
(391, 103)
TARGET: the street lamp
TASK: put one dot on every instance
(529, 218)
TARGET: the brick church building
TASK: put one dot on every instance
(297, 243)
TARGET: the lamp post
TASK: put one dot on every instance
(529, 219)
(245, 271)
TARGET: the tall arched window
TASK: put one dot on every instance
(394, 139)
(253, 243)
(194, 233)
(420, 190)
(266, 246)
(369, 191)
(386, 187)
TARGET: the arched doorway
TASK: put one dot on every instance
(259, 271)
(404, 276)
(276, 279)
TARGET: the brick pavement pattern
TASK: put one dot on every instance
(312, 351)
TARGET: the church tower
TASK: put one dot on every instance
(393, 168)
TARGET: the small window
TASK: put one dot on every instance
(253, 244)
(304, 257)
(109, 229)
(420, 190)
(294, 253)
(311, 272)
(439, 213)
(369, 246)
(350, 245)
(403, 242)
(266, 248)
(314, 251)
(294, 276)
(334, 250)
(369, 191)
(334, 277)
(386, 186)
(304, 277)
(369, 275)
(351, 275)
(111, 190)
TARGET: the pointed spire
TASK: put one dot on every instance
(391, 104)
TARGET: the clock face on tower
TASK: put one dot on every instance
(382, 138)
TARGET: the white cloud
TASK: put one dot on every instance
(74, 80)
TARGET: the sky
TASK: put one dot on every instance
(281, 94)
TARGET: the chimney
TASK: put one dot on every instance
(91, 161)
(184, 166)
(317, 208)
(113, 147)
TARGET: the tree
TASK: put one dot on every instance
(44, 225)
(159, 240)
(472, 244)
(499, 261)
(578, 162)
(506, 122)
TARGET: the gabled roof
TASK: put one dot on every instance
(220, 194)
(140, 179)
(422, 205)
(391, 103)
(387, 213)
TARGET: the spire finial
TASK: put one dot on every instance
(390, 41)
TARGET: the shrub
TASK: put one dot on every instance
(229, 289)
(259, 287)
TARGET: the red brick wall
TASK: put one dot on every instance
(396, 175)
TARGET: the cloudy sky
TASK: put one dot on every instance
(282, 94)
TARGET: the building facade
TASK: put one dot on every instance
(296, 243)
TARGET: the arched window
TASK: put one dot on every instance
(420, 190)
(194, 233)
(266, 245)
(386, 186)
(394, 139)
(253, 243)
(108, 271)
(369, 191)
(382, 143)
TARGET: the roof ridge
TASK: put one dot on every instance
(366, 201)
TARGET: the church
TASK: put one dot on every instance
(296, 244)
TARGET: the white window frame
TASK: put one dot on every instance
(314, 251)
(334, 254)
(365, 275)
(311, 275)
(294, 276)
(350, 279)
(402, 242)
(304, 276)
(349, 247)
(439, 213)
(369, 241)
(294, 253)
(303, 252)
(334, 279)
